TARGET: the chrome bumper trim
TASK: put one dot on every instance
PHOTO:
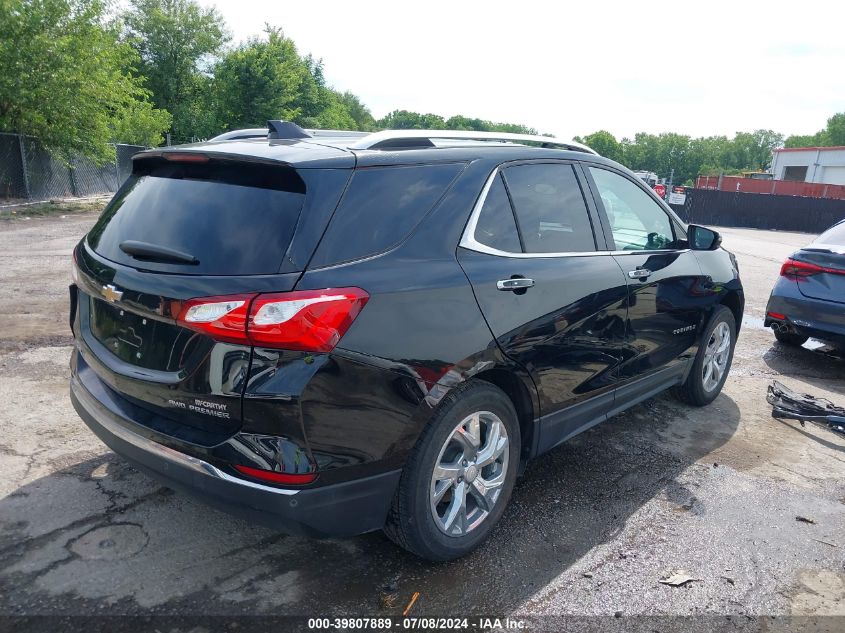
(101, 415)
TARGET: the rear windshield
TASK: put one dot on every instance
(235, 219)
(834, 235)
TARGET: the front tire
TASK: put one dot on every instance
(460, 475)
(713, 361)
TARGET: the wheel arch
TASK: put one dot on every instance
(522, 393)
(734, 301)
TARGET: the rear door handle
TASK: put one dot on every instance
(639, 273)
(518, 283)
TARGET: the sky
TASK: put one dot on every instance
(571, 68)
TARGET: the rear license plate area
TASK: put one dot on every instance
(133, 338)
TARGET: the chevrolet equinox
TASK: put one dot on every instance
(335, 333)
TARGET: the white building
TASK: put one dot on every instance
(810, 164)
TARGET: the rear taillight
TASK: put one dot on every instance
(306, 320)
(795, 269)
(310, 320)
(296, 479)
(222, 318)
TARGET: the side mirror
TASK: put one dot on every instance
(703, 239)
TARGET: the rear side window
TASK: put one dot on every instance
(550, 208)
(380, 209)
(496, 226)
(236, 219)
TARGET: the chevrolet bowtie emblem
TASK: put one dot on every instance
(111, 293)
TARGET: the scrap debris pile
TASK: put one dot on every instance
(789, 405)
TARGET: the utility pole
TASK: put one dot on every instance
(24, 168)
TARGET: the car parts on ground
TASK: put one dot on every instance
(790, 405)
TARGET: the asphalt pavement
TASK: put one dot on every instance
(592, 528)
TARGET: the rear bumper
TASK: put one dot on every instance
(824, 320)
(342, 509)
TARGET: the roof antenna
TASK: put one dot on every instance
(285, 129)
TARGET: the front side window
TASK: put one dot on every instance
(550, 209)
(638, 222)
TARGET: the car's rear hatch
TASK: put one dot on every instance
(825, 278)
(190, 225)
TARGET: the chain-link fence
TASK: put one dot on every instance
(29, 172)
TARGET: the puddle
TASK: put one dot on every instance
(753, 322)
(812, 345)
(816, 345)
(820, 347)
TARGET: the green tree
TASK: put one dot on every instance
(460, 122)
(406, 120)
(832, 134)
(835, 131)
(265, 78)
(605, 144)
(319, 105)
(261, 80)
(685, 158)
(708, 156)
(514, 128)
(177, 41)
(140, 124)
(67, 79)
(805, 140)
(362, 116)
(754, 149)
(643, 152)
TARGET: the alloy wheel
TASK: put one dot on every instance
(469, 473)
(716, 356)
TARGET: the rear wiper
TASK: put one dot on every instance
(147, 251)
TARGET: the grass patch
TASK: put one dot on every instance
(54, 207)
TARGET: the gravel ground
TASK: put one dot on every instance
(591, 529)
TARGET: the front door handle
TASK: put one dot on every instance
(639, 273)
(517, 283)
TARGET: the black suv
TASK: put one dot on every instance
(344, 334)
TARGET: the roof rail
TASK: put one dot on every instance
(336, 133)
(391, 139)
(261, 132)
(238, 135)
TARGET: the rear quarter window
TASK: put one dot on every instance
(381, 207)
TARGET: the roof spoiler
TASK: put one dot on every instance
(285, 129)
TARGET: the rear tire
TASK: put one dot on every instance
(713, 361)
(445, 513)
(790, 338)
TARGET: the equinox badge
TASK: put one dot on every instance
(111, 293)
